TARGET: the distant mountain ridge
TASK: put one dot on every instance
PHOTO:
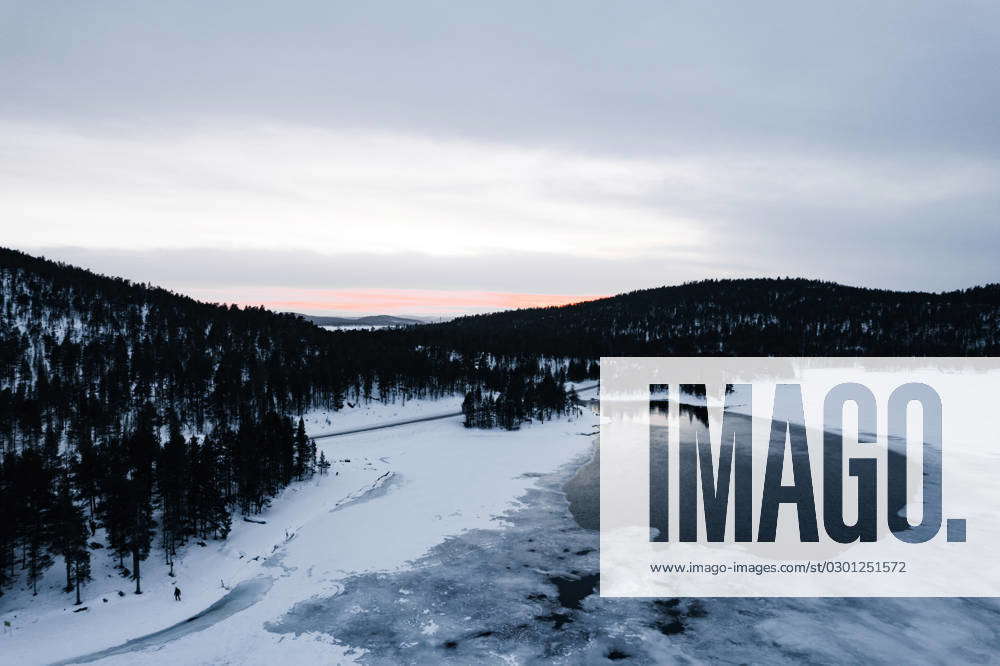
(100, 377)
(743, 317)
(371, 320)
(121, 402)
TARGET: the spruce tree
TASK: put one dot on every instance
(303, 451)
(9, 527)
(81, 569)
(173, 477)
(35, 481)
(143, 449)
(115, 496)
(469, 409)
(86, 465)
(69, 529)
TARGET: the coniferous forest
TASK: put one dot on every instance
(157, 418)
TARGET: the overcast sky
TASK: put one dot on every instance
(433, 158)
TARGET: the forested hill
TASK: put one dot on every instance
(754, 317)
(83, 352)
(75, 335)
(133, 410)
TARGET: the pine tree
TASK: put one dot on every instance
(81, 569)
(173, 475)
(70, 536)
(469, 409)
(9, 524)
(143, 448)
(69, 529)
(208, 511)
(127, 507)
(303, 452)
(139, 528)
(86, 465)
(114, 496)
(35, 482)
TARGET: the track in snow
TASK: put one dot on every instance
(240, 598)
(421, 419)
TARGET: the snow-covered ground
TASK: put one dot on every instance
(437, 544)
(392, 495)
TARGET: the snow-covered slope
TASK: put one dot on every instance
(391, 495)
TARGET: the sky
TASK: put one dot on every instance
(437, 158)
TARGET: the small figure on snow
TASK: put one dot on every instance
(177, 593)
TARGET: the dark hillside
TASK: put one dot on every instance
(755, 317)
(126, 407)
(129, 408)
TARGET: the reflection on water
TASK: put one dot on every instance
(583, 489)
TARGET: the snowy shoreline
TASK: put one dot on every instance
(403, 491)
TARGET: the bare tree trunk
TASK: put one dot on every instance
(135, 571)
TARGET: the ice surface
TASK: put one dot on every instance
(403, 491)
(413, 568)
(526, 593)
(522, 593)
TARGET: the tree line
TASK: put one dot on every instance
(145, 490)
(753, 317)
(155, 418)
(524, 399)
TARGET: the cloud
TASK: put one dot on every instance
(245, 275)
(294, 187)
(395, 211)
(647, 78)
(563, 148)
(416, 283)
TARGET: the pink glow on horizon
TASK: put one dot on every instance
(385, 301)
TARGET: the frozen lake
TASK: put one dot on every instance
(438, 544)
